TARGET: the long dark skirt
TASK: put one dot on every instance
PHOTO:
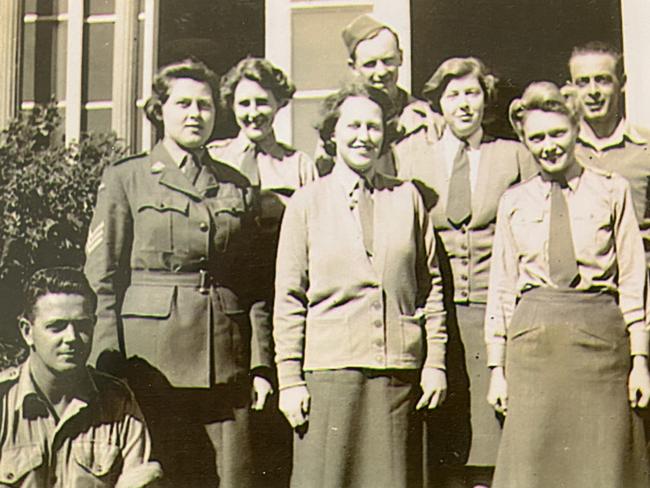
(569, 422)
(363, 431)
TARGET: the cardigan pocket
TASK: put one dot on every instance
(327, 341)
(413, 337)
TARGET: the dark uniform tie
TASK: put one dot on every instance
(365, 207)
(459, 200)
(190, 167)
(563, 266)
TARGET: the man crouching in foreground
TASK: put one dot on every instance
(63, 424)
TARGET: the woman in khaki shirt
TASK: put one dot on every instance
(565, 321)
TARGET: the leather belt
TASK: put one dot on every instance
(202, 280)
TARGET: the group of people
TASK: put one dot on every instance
(434, 306)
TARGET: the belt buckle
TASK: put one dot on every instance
(204, 282)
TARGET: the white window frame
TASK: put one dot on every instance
(395, 13)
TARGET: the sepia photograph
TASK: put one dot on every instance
(324, 243)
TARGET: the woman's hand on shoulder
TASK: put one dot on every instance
(433, 382)
(498, 392)
(294, 403)
(638, 383)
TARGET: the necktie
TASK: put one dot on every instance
(563, 266)
(365, 207)
(190, 167)
(459, 200)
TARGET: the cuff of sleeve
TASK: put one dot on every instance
(496, 355)
(435, 356)
(290, 373)
(639, 337)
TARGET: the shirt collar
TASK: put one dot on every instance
(178, 154)
(243, 144)
(624, 130)
(573, 177)
(450, 140)
(346, 177)
(29, 398)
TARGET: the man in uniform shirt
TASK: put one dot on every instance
(63, 424)
(606, 140)
(375, 56)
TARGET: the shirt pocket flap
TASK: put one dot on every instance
(96, 458)
(148, 301)
(231, 204)
(166, 203)
(17, 462)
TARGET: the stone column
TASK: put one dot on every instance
(11, 31)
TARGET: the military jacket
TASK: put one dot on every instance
(172, 264)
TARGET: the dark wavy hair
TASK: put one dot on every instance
(261, 71)
(330, 113)
(454, 68)
(187, 68)
(56, 280)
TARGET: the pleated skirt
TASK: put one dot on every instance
(363, 431)
(569, 422)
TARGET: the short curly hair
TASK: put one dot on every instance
(454, 68)
(330, 112)
(261, 71)
(187, 68)
(547, 97)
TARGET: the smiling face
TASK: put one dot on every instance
(462, 104)
(60, 332)
(599, 89)
(359, 133)
(255, 108)
(550, 137)
(189, 112)
(377, 61)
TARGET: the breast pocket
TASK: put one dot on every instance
(17, 463)
(528, 228)
(97, 464)
(159, 223)
(591, 231)
(228, 212)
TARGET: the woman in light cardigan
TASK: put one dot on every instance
(359, 323)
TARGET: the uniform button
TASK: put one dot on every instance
(203, 260)
(379, 343)
(463, 277)
(463, 246)
(463, 230)
(10, 476)
(463, 293)
(203, 226)
(463, 262)
(376, 305)
(378, 323)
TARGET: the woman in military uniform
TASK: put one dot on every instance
(169, 255)
(254, 91)
(565, 323)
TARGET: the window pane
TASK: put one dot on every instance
(96, 120)
(46, 7)
(319, 57)
(44, 61)
(305, 116)
(98, 57)
(94, 7)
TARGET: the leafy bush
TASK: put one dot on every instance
(48, 194)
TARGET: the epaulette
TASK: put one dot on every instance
(10, 374)
(129, 158)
